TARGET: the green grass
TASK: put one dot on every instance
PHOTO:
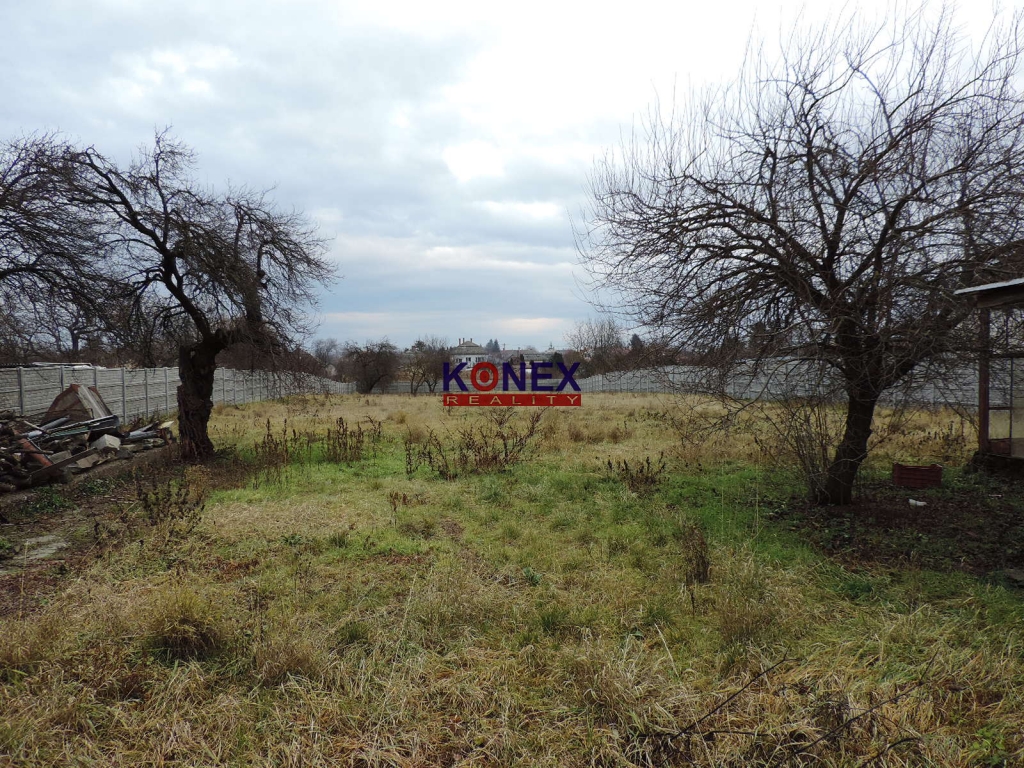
(342, 614)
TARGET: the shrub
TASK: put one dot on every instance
(175, 505)
(642, 477)
(498, 444)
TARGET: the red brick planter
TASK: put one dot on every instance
(909, 476)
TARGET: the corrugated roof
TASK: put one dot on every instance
(992, 286)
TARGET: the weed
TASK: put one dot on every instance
(341, 539)
(532, 577)
(696, 555)
(344, 445)
(642, 477)
(48, 500)
(498, 444)
(578, 434)
(175, 505)
(396, 500)
(422, 528)
(658, 613)
(271, 457)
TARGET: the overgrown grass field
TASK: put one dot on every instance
(415, 586)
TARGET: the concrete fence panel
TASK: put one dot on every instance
(141, 392)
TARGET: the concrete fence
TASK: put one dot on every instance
(777, 380)
(781, 380)
(134, 392)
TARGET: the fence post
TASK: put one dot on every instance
(21, 393)
(124, 396)
(145, 388)
(167, 393)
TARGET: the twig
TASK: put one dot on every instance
(886, 748)
(866, 712)
(689, 728)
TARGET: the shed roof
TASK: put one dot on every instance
(996, 294)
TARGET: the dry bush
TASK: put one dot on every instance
(175, 506)
(696, 554)
(344, 445)
(577, 433)
(271, 456)
(619, 433)
(642, 477)
(494, 446)
(174, 502)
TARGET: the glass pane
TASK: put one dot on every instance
(1000, 374)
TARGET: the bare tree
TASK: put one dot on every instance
(326, 352)
(231, 266)
(373, 364)
(427, 357)
(825, 206)
(51, 252)
(599, 344)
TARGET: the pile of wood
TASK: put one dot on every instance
(76, 433)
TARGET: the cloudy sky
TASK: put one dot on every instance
(442, 147)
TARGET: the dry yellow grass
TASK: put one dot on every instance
(352, 615)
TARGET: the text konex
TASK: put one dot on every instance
(544, 385)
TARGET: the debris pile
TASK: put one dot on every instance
(75, 434)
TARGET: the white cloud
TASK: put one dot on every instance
(520, 210)
(439, 144)
(473, 160)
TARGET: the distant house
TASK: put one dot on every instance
(528, 356)
(468, 352)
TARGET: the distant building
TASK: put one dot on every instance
(468, 352)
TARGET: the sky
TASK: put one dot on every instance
(443, 148)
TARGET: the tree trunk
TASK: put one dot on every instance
(197, 364)
(851, 450)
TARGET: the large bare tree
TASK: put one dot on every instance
(826, 204)
(51, 252)
(223, 269)
(373, 364)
